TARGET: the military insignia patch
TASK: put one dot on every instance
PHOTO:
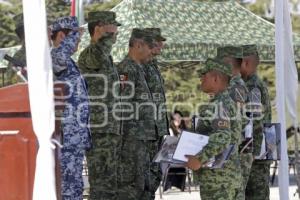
(239, 94)
(220, 124)
(123, 77)
(255, 95)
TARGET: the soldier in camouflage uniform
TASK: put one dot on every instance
(258, 183)
(75, 123)
(215, 121)
(156, 85)
(239, 93)
(20, 55)
(139, 119)
(96, 63)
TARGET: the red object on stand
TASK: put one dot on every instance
(19, 144)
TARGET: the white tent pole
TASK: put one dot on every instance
(286, 85)
(40, 84)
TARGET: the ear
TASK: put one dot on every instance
(61, 35)
(138, 45)
(216, 78)
(244, 64)
(96, 30)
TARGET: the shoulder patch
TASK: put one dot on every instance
(238, 94)
(255, 95)
(220, 124)
(123, 77)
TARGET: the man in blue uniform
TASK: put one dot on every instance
(75, 123)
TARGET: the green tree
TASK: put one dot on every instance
(55, 9)
(7, 28)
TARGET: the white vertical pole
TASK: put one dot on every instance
(40, 83)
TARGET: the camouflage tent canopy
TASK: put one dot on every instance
(193, 29)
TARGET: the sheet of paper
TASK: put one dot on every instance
(167, 150)
(189, 144)
(263, 152)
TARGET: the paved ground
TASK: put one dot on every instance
(176, 194)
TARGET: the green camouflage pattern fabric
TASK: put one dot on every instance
(103, 161)
(204, 26)
(248, 50)
(239, 94)
(230, 51)
(259, 91)
(258, 183)
(135, 169)
(139, 133)
(101, 75)
(156, 33)
(156, 85)
(153, 174)
(102, 79)
(221, 184)
(104, 17)
(215, 64)
(146, 36)
(140, 122)
(246, 164)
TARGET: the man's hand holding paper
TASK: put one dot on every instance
(189, 144)
(193, 162)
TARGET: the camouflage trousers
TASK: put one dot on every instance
(221, 184)
(103, 162)
(213, 186)
(71, 173)
(246, 163)
(152, 176)
(258, 183)
(135, 169)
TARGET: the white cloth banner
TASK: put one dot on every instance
(40, 83)
(286, 83)
(290, 69)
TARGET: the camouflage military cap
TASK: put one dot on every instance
(215, 64)
(230, 51)
(104, 17)
(143, 35)
(69, 22)
(156, 33)
(249, 50)
(19, 21)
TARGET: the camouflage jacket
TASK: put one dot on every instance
(216, 122)
(11, 75)
(156, 85)
(75, 122)
(258, 93)
(139, 122)
(239, 94)
(96, 64)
